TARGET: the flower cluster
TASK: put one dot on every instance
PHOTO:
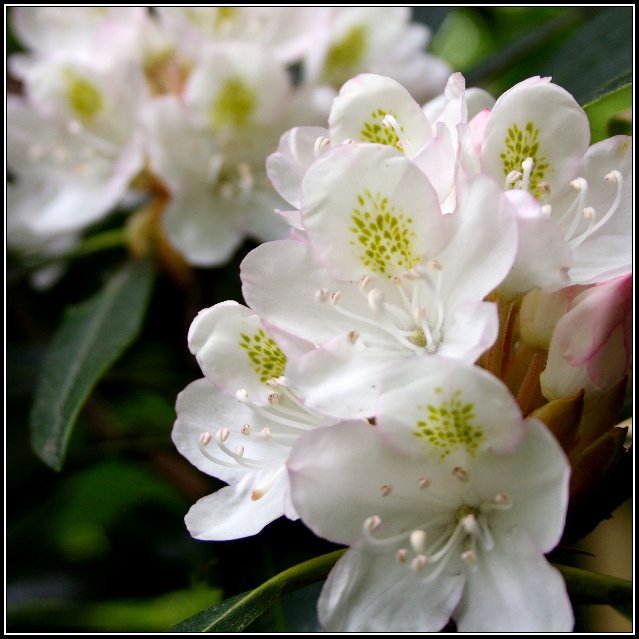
(172, 111)
(456, 275)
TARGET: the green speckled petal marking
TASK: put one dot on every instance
(264, 353)
(450, 426)
(83, 96)
(374, 131)
(234, 105)
(521, 144)
(383, 236)
(345, 55)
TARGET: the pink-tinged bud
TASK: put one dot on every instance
(591, 347)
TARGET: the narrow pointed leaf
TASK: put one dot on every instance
(92, 335)
(237, 613)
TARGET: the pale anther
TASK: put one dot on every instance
(470, 525)
(613, 176)
(424, 483)
(266, 433)
(335, 297)
(322, 294)
(274, 399)
(401, 555)
(242, 395)
(239, 451)
(224, 434)
(419, 562)
(373, 523)
(352, 336)
(386, 490)
(246, 429)
(364, 282)
(501, 498)
(435, 265)
(460, 473)
(546, 210)
(589, 213)
(205, 438)
(418, 541)
(469, 557)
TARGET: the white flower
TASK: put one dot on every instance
(536, 140)
(73, 143)
(239, 423)
(448, 505)
(380, 40)
(382, 275)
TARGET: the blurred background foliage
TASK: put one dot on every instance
(101, 546)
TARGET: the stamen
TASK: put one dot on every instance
(391, 123)
(335, 297)
(223, 434)
(246, 429)
(511, 178)
(546, 210)
(266, 433)
(373, 523)
(205, 439)
(419, 563)
(239, 451)
(418, 541)
(321, 295)
(424, 483)
(469, 557)
(402, 555)
(258, 493)
(386, 490)
(527, 165)
(321, 143)
(460, 473)
(274, 399)
(470, 525)
(352, 336)
(242, 395)
(614, 177)
(364, 282)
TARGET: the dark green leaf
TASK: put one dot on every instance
(91, 337)
(600, 50)
(593, 588)
(236, 613)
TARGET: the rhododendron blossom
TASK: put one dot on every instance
(448, 505)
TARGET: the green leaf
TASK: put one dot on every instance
(594, 588)
(91, 337)
(236, 613)
(600, 50)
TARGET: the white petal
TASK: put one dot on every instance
(514, 589)
(482, 244)
(535, 477)
(235, 350)
(367, 209)
(202, 228)
(337, 474)
(230, 513)
(447, 408)
(363, 102)
(550, 127)
(339, 378)
(373, 592)
(543, 257)
(286, 297)
(287, 166)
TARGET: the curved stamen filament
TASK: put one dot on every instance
(576, 208)
(258, 493)
(527, 165)
(391, 123)
(617, 178)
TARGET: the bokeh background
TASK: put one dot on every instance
(102, 546)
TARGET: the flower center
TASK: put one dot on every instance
(345, 55)
(83, 96)
(234, 105)
(458, 533)
(410, 319)
(522, 145)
